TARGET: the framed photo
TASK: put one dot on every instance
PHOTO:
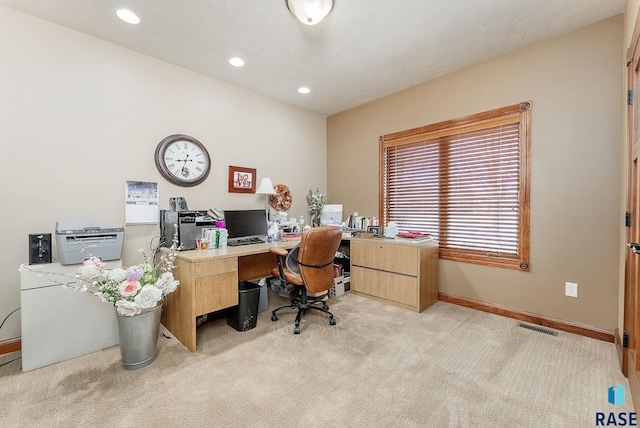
(377, 230)
(242, 180)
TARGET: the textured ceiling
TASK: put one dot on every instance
(365, 49)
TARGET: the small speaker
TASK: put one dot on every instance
(178, 204)
(39, 248)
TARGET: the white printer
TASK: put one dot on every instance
(79, 240)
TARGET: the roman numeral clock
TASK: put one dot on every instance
(183, 160)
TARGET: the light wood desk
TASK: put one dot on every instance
(209, 282)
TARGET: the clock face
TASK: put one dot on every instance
(183, 160)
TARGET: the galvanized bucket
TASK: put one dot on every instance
(139, 338)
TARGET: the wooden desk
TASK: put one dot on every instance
(209, 282)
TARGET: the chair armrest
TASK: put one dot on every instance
(279, 251)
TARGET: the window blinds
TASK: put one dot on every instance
(463, 184)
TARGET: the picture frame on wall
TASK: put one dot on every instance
(242, 180)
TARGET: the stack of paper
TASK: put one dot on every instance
(412, 236)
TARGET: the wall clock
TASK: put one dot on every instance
(182, 160)
(281, 201)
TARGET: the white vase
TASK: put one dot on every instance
(138, 337)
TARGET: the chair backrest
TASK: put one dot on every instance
(291, 262)
(318, 247)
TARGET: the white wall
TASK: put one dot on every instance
(80, 116)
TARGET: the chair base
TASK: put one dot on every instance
(302, 302)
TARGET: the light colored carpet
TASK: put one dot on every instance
(380, 366)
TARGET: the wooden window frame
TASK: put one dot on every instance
(442, 131)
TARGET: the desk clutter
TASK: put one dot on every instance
(212, 229)
(356, 221)
(341, 280)
(190, 225)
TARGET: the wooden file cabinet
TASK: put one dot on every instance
(205, 286)
(399, 272)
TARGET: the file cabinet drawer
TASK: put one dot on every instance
(216, 292)
(216, 267)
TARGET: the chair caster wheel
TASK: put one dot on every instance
(296, 330)
(274, 318)
(332, 321)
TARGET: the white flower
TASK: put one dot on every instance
(128, 308)
(89, 271)
(103, 297)
(148, 297)
(166, 283)
(117, 275)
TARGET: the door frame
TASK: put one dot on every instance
(629, 351)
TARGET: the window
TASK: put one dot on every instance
(464, 181)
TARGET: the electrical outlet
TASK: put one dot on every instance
(571, 289)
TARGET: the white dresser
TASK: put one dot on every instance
(61, 323)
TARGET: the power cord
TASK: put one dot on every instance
(1, 324)
(7, 317)
(11, 361)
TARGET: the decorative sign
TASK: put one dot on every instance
(242, 180)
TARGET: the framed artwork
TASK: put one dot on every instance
(377, 230)
(242, 180)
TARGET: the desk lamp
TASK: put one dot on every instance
(266, 188)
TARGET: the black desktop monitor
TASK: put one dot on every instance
(245, 223)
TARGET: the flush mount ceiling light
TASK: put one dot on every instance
(304, 90)
(128, 16)
(309, 12)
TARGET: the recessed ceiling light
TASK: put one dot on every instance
(127, 16)
(236, 62)
(304, 90)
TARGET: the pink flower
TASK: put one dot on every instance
(129, 288)
(94, 261)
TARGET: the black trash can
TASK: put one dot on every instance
(245, 316)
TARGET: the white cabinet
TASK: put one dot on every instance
(61, 323)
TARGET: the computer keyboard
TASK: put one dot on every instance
(245, 241)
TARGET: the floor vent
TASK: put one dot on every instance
(538, 329)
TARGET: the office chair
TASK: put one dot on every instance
(309, 268)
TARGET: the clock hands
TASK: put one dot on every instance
(185, 170)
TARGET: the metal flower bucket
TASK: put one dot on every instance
(138, 336)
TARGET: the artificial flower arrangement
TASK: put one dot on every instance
(315, 202)
(130, 290)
